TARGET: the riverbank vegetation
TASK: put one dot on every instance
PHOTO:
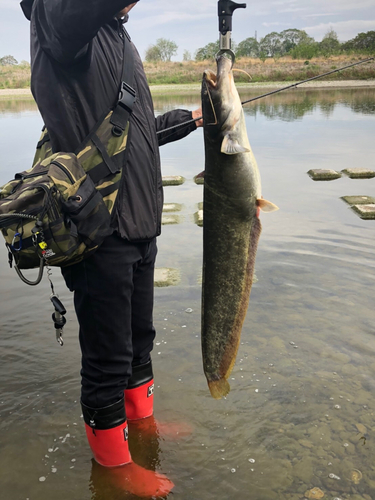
(289, 56)
(285, 69)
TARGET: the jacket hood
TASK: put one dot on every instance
(26, 6)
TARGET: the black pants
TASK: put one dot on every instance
(113, 298)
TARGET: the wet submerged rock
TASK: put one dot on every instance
(198, 218)
(361, 428)
(355, 476)
(173, 180)
(318, 174)
(359, 173)
(365, 211)
(166, 277)
(304, 470)
(358, 200)
(314, 493)
(168, 219)
(172, 207)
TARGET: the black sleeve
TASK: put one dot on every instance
(171, 118)
(65, 27)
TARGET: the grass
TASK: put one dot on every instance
(15, 77)
(284, 69)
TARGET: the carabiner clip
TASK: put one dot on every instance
(19, 247)
(226, 53)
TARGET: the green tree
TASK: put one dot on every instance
(186, 56)
(167, 48)
(262, 56)
(153, 54)
(291, 38)
(208, 51)
(271, 44)
(248, 48)
(163, 50)
(8, 61)
(330, 43)
(305, 50)
(363, 42)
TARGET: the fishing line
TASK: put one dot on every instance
(293, 85)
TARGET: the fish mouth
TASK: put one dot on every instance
(210, 78)
(224, 68)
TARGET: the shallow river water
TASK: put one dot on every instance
(301, 411)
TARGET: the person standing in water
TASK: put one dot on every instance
(77, 50)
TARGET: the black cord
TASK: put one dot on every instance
(293, 85)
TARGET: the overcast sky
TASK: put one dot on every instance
(192, 24)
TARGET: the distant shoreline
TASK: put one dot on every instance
(180, 89)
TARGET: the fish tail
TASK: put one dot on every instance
(219, 388)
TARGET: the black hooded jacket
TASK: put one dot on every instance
(76, 66)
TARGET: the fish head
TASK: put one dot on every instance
(221, 104)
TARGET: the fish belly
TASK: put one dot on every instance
(231, 232)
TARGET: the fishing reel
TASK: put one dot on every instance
(225, 13)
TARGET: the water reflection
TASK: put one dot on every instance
(288, 106)
(293, 105)
(17, 105)
(300, 414)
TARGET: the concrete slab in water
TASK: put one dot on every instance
(198, 217)
(319, 174)
(359, 173)
(172, 207)
(365, 211)
(170, 219)
(358, 200)
(166, 276)
(173, 180)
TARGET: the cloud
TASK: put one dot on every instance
(268, 25)
(168, 17)
(10, 4)
(344, 29)
(318, 15)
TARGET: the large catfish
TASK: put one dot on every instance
(231, 225)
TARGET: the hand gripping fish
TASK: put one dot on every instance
(231, 225)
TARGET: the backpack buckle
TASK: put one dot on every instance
(126, 97)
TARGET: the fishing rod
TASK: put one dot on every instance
(291, 86)
(225, 9)
(294, 85)
(225, 13)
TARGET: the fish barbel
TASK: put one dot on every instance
(231, 225)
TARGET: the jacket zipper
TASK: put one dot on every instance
(29, 176)
(152, 147)
(64, 169)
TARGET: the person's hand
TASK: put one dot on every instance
(197, 116)
(125, 11)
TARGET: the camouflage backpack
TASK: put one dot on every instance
(59, 211)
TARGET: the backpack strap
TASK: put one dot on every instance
(119, 120)
(127, 94)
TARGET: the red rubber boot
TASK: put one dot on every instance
(107, 434)
(139, 404)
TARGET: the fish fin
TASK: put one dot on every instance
(232, 147)
(219, 388)
(266, 206)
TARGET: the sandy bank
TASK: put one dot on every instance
(195, 88)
